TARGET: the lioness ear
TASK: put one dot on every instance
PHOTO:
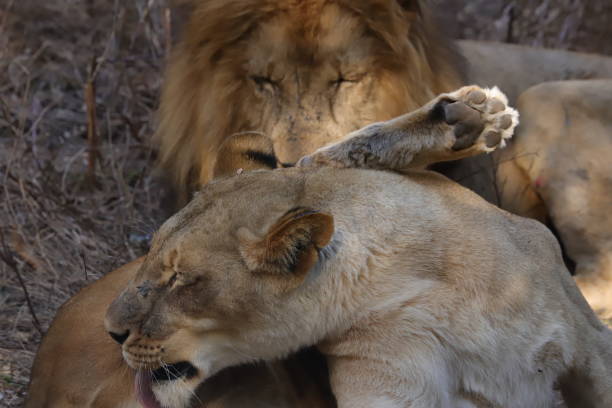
(246, 151)
(290, 246)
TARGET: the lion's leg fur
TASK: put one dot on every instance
(460, 124)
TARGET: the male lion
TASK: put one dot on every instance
(456, 125)
(305, 73)
(433, 298)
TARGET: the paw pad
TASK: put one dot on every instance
(481, 118)
(476, 96)
(492, 138)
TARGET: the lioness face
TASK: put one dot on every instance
(211, 291)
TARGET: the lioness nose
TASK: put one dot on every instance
(120, 338)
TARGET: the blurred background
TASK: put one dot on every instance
(79, 81)
(578, 25)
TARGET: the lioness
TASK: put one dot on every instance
(306, 73)
(419, 292)
(456, 125)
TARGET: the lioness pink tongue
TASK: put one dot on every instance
(144, 393)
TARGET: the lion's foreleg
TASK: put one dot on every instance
(450, 127)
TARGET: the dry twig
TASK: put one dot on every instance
(92, 134)
(6, 255)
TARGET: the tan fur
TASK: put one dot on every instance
(559, 170)
(434, 299)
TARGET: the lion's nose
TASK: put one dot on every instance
(120, 338)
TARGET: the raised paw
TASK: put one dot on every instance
(452, 126)
(481, 118)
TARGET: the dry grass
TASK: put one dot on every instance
(65, 218)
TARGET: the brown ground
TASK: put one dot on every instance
(61, 225)
(64, 222)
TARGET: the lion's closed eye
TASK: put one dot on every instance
(347, 78)
(181, 279)
(341, 80)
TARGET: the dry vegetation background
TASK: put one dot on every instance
(79, 198)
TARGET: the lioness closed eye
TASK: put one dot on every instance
(418, 292)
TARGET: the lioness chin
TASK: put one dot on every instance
(418, 292)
